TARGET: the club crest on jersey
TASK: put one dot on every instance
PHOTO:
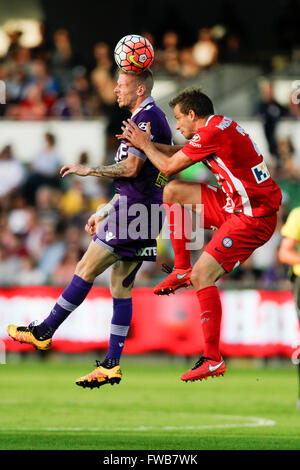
(142, 126)
(260, 172)
(227, 242)
(195, 141)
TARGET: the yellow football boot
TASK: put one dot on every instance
(100, 376)
(24, 334)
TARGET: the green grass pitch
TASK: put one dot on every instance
(151, 409)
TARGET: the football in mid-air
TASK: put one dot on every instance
(134, 53)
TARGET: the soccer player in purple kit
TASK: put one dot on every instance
(137, 181)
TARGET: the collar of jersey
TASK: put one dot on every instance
(210, 117)
(146, 102)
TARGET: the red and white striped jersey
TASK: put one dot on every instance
(231, 154)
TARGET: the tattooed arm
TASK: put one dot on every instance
(128, 168)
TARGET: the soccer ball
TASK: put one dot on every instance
(134, 53)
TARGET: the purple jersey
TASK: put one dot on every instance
(148, 185)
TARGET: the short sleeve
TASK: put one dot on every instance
(203, 144)
(291, 228)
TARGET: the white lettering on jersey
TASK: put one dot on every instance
(260, 172)
(224, 123)
(121, 153)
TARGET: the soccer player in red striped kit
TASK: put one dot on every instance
(242, 208)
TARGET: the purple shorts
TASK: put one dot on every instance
(130, 230)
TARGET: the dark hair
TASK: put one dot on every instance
(50, 138)
(193, 99)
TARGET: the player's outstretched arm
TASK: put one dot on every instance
(167, 165)
(128, 168)
(168, 150)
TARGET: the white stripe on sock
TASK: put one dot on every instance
(119, 330)
(63, 303)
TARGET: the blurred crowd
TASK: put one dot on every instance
(50, 80)
(42, 217)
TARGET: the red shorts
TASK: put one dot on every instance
(237, 235)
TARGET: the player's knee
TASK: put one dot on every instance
(201, 278)
(118, 291)
(84, 271)
(171, 192)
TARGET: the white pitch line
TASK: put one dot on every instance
(254, 422)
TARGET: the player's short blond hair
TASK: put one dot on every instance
(145, 78)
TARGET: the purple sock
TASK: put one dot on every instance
(122, 314)
(70, 299)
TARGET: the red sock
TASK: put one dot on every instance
(179, 231)
(210, 314)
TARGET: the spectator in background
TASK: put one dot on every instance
(232, 50)
(48, 83)
(52, 249)
(168, 56)
(71, 106)
(289, 254)
(15, 85)
(31, 107)
(72, 200)
(64, 272)
(61, 58)
(22, 59)
(102, 75)
(289, 168)
(188, 67)
(14, 37)
(270, 112)
(45, 169)
(93, 188)
(205, 51)
(47, 201)
(12, 175)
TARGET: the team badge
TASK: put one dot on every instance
(227, 242)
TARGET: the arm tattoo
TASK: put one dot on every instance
(112, 171)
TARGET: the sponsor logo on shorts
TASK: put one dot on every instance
(147, 251)
(227, 242)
